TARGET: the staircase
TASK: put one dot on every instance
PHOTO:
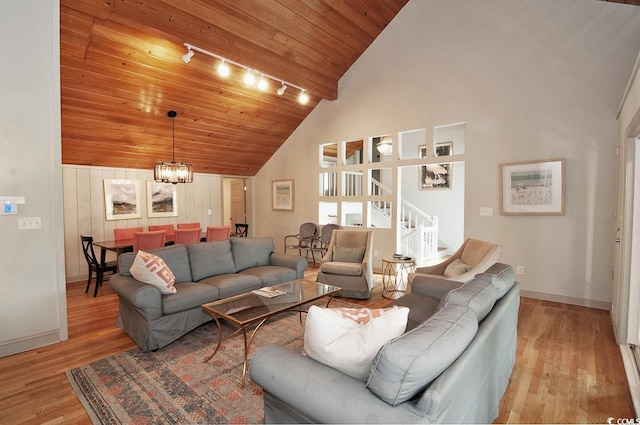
(419, 236)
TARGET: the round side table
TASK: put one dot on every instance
(394, 274)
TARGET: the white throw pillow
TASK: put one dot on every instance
(151, 269)
(456, 268)
(348, 339)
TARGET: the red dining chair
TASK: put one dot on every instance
(188, 236)
(126, 233)
(149, 240)
(169, 228)
(188, 225)
(218, 233)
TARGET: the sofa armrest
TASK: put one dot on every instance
(145, 297)
(430, 286)
(295, 262)
(320, 392)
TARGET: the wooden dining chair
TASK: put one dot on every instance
(188, 225)
(242, 230)
(149, 240)
(188, 236)
(126, 232)
(94, 266)
(218, 233)
(169, 228)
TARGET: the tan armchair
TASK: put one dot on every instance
(473, 257)
(348, 263)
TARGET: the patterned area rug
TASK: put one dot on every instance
(174, 386)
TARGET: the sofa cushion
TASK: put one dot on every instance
(177, 258)
(342, 267)
(210, 259)
(151, 269)
(233, 284)
(353, 255)
(478, 295)
(347, 339)
(501, 276)
(271, 275)
(407, 364)
(190, 295)
(251, 252)
(456, 268)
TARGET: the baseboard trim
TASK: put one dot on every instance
(29, 343)
(633, 376)
(602, 305)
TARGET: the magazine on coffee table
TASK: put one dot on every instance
(268, 292)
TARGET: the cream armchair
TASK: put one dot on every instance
(348, 263)
(473, 257)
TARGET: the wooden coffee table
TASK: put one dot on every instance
(249, 309)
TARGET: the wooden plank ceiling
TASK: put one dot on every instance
(121, 71)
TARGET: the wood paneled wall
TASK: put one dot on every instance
(84, 208)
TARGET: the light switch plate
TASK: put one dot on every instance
(28, 223)
(486, 212)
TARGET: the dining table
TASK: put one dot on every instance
(125, 245)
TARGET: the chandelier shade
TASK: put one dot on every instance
(385, 145)
(173, 172)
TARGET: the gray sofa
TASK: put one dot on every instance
(204, 272)
(452, 365)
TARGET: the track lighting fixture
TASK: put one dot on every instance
(250, 78)
(303, 97)
(186, 58)
(223, 69)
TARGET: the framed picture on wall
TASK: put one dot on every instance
(532, 188)
(122, 199)
(282, 192)
(436, 176)
(162, 200)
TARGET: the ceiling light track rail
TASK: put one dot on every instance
(251, 73)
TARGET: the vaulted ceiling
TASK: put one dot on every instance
(121, 72)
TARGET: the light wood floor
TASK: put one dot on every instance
(568, 367)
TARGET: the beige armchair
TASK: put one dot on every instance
(473, 257)
(348, 263)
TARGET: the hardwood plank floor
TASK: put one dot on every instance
(568, 367)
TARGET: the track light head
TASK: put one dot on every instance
(282, 89)
(249, 78)
(303, 98)
(223, 69)
(263, 84)
(186, 58)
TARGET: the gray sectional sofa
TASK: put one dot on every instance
(452, 365)
(204, 272)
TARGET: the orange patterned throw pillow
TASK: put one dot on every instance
(347, 339)
(151, 269)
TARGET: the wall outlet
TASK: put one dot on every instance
(375, 252)
(520, 270)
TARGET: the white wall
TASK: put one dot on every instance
(33, 305)
(532, 79)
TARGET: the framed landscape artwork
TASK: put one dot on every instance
(162, 200)
(121, 199)
(282, 195)
(436, 176)
(532, 188)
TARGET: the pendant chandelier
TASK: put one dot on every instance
(173, 172)
(385, 145)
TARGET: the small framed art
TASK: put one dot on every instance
(283, 195)
(122, 199)
(162, 200)
(532, 187)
